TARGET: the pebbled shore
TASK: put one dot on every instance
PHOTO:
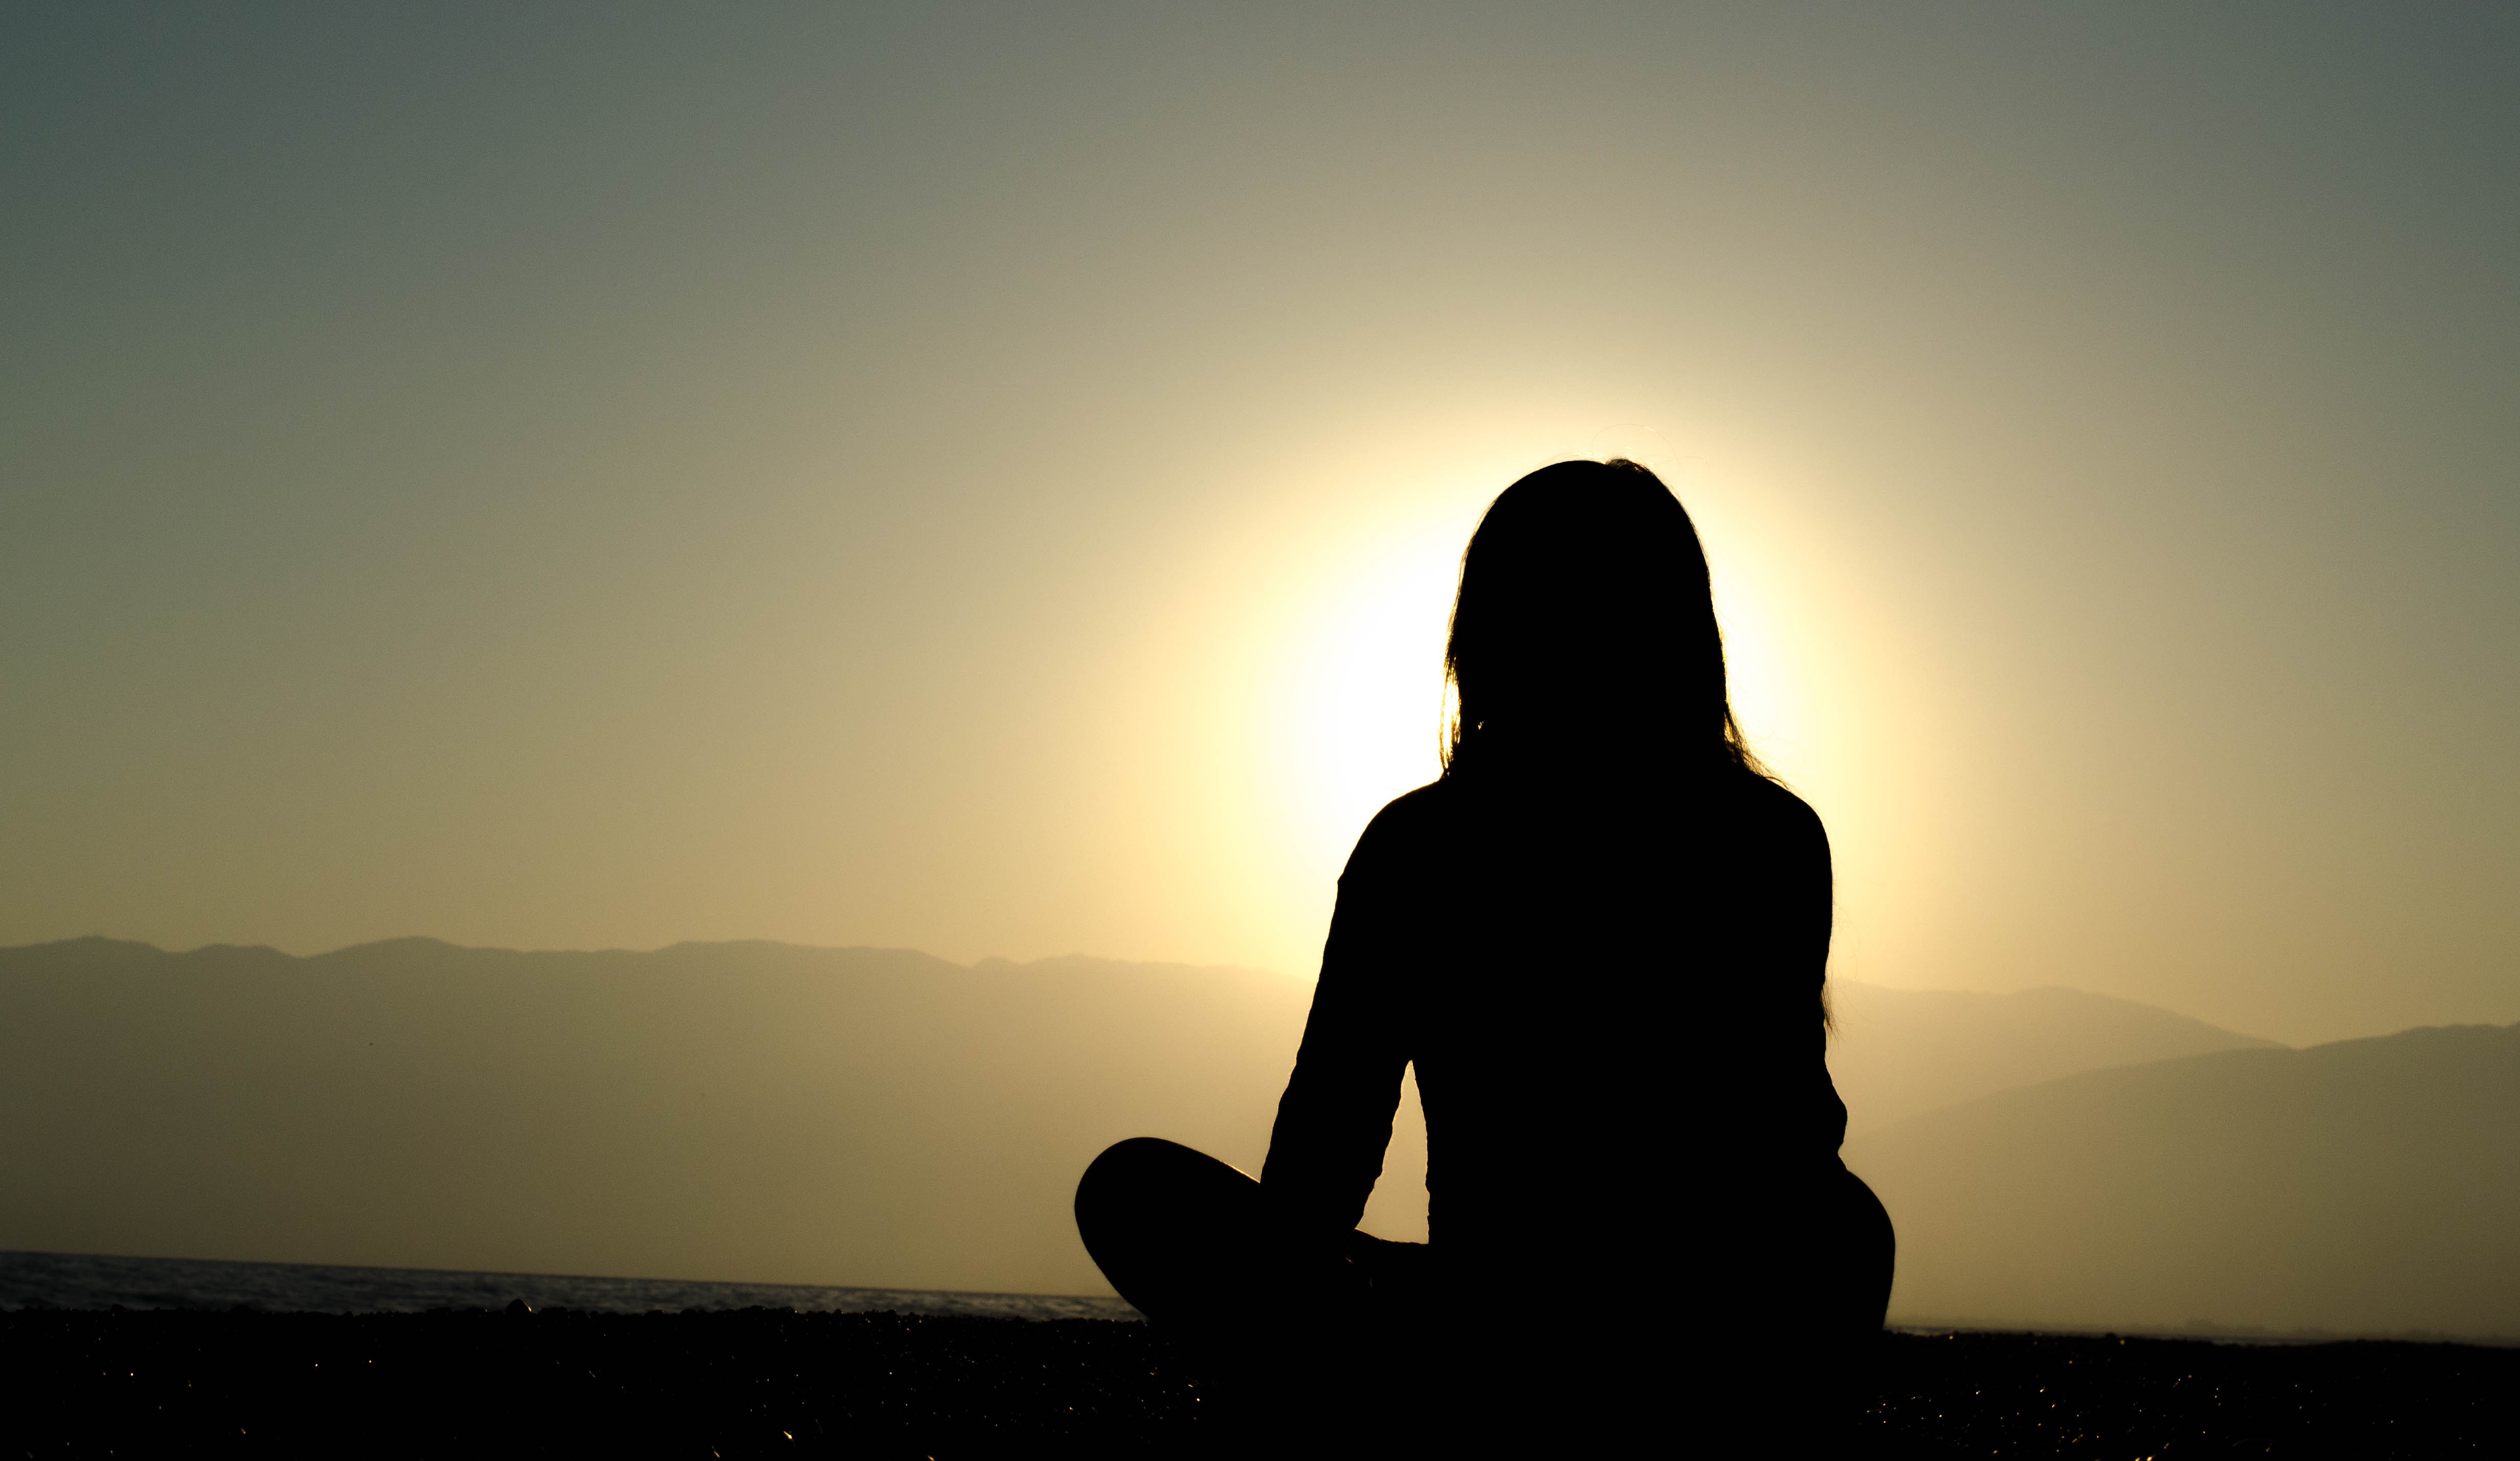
(765, 1381)
(2073, 1395)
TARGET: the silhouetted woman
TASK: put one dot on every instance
(1601, 937)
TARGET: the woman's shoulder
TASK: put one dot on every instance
(1408, 826)
(1413, 810)
(1770, 800)
(1771, 812)
(1422, 827)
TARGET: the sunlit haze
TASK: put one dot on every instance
(991, 482)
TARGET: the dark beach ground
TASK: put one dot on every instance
(765, 1381)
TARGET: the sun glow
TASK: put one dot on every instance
(1761, 691)
(1365, 688)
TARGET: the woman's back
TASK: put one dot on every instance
(1611, 994)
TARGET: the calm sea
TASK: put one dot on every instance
(74, 1280)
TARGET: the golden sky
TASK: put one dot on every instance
(988, 480)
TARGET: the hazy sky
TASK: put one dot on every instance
(989, 481)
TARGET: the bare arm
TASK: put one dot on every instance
(1334, 1120)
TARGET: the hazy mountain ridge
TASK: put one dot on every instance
(2364, 1186)
(886, 1118)
(1897, 1052)
(743, 1111)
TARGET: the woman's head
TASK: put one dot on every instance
(1584, 622)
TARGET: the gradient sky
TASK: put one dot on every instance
(988, 480)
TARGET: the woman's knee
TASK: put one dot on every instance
(1868, 1222)
(1117, 1186)
(1148, 1169)
(1123, 1167)
(1872, 1243)
(1147, 1182)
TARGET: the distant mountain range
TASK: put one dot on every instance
(879, 1117)
(1899, 1053)
(2369, 1186)
(733, 1111)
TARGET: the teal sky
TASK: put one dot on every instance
(986, 479)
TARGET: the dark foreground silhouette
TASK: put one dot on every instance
(760, 1382)
(1365, 1345)
(1601, 940)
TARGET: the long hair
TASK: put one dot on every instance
(1585, 625)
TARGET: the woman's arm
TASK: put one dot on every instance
(1808, 907)
(1334, 1120)
(1769, 934)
